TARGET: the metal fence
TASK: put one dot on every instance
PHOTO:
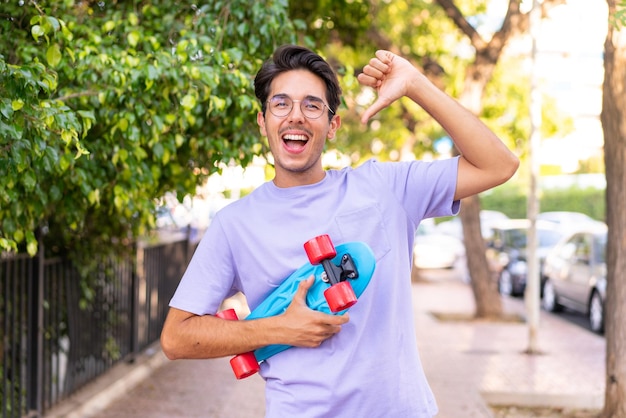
(58, 333)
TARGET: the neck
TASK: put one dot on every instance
(298, 179)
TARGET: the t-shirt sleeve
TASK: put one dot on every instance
(209, 277)
(426, 189)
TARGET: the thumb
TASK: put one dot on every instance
(303, 289)
(376, 107)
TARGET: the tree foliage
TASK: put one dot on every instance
(105, 106)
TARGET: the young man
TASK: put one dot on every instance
(365, 363)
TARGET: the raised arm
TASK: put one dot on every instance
(485, 161)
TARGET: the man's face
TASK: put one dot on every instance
(295, 140)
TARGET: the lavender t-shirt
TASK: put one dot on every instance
(371, 368)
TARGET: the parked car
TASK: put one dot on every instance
(565, 218)
(575, 272)
(434, 250)
(507, 252)
(488, 218)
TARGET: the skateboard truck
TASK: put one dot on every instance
(339, 295)
(334, 274)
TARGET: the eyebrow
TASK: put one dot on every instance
(310, 97)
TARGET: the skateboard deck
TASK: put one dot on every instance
(277, 302)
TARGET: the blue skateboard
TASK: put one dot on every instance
(341, 276)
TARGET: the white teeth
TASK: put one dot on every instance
(294, 137)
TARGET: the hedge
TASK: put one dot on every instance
(512, 200)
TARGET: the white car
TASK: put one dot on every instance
(434, 250)
(567, 219)
(488, 218)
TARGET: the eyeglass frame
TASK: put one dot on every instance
(285, 96)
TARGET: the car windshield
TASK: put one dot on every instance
(548, 238)
(516, 238)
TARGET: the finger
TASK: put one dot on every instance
(375, 69)
(381, 63)
(368, 80)
(335, 320)
(385, 57)
(342, 319)
(303, 289)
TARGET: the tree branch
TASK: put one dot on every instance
(464, 26)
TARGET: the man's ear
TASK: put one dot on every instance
(260, 120)
(335, 124)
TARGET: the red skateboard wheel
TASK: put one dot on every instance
(245, 364)
(229, 314)
(340, 296)
(319, 248)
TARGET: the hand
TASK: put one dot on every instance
(389, 74)
(305, 327)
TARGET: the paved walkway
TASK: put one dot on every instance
(469, 364)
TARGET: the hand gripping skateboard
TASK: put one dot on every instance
(341, 276)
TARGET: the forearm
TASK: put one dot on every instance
(200, 337)
(190, 336)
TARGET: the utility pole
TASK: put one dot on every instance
(532, 293)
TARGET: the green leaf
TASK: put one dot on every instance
(158, 150)
(94, 197)
(188, 102)
(17, 104)
(53, 22)
(53, 55)
(6, 108)
(8, 245)
(68, 136)
(123, 124)
(108, 26)
(29, 180)
(133, 38)
(133, 19)
(55, 193)
(19, 235)
(31, 243)
(36, 31)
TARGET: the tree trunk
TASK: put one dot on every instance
(486, 296)
(614, 126)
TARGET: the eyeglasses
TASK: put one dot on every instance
(311, 107)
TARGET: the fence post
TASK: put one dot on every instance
(141, 318)
(35, 331)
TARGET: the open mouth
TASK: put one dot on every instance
(295, 142)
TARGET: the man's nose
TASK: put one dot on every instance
(296, 113)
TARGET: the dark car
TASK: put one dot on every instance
(507, 251)
(575, 272)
